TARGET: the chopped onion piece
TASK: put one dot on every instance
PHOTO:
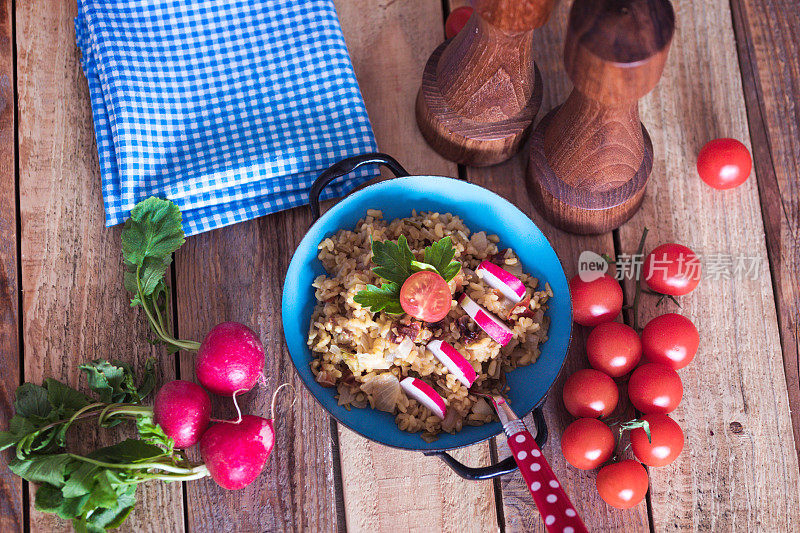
(456, 363)
(489, 323)
(424, 394)
(497, 278)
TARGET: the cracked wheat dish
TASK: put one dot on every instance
(419, 316)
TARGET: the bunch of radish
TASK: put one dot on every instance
(229, 362)
(668, 342)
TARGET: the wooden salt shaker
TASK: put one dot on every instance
(590, 157)
(481, 90)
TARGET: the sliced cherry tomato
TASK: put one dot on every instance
(671, 340)
(672, 269)
(590, 393)
(587, 443)
(724, 163)
(596, 301)
(655, 388)
(622, 485)
(426, 296)
(666, 445)
(456, 21)
(613, 348)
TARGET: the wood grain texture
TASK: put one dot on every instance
(236, 273)
(11, 515)
(75, 308)
(765, 31)
(507, 180)
(737, 471)
(590, 159)
(389, 43)
(480, 90)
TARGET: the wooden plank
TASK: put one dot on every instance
(508, 180)
(766, 31)
(389, 43)
(236, 273)
(74, 307)
(738, 470)
(11, 514)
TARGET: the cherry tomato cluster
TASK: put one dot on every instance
(667, 343)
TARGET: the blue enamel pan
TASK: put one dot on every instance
(481, 210)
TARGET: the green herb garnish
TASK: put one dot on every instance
(395, 263)
(96, 490)
(150, 236)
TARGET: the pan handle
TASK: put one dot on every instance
(346, 166)
(505, 466)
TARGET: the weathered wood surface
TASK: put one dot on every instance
(11, 512)
(389, 43)
(769, 57)
(739, 470)
(74, 306)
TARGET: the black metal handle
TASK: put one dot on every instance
(505, 466)
(346, 166)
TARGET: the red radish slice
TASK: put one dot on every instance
(487, 321)
(497, 278)
(453, 361)
(424, 394)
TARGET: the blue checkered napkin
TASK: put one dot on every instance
(230, 108)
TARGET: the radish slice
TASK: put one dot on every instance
(424, 394)
(453, 361)
(487, 321)
(497, 278)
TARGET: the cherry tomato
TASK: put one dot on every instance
(724, 163)
(456, 21)
(671, 340)
(587, 443)
(666, 445)
(596, 301)
(622, 485)
(672, 269)
(655, 388)
(590, 393)
(426, 296)
(613, 348)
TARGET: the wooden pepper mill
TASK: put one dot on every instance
(590, 157)
(481, 90)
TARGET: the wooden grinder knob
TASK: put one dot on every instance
(481, 90)
(591, 157)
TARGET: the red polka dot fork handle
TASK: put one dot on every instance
(556, 509)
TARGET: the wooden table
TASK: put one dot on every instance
(734, 70)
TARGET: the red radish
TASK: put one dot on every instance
(235, 453)
(487, 321)
(424, 394)
(454, 362)
(497, 278)
(183, 410)
(230, 359)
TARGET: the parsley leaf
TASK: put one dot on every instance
(393, 260)
(386, 298)
(440, 256)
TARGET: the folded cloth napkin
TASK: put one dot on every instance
(229, 108)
